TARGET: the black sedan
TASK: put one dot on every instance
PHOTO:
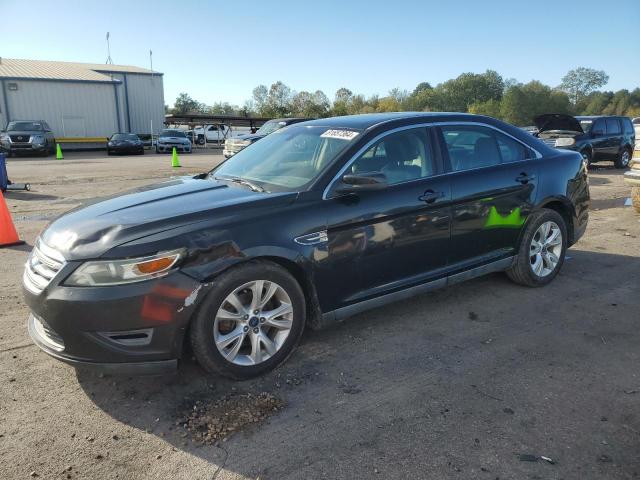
(125, 143)
(308, 226)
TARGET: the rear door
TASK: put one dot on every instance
(493, 189)
(387, 240)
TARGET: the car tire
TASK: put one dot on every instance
(588, 157)
(624, 158)
(539, 269)
(236, 359)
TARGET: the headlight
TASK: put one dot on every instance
(37, 139)
(243, 143)
(565, 142)
(118, 272)
(4, 138)
(111, 144)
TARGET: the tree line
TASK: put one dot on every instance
(482, 93)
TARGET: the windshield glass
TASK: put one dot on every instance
(28, 126)
(289, 159)
(586, 125)
(270, 127)
(124, 136)
(172, 133)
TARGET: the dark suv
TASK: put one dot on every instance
(312, 224)
(28, 136)
(596, 138)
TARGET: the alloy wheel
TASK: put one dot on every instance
(545, 249)
(625, 158)
(253, 322)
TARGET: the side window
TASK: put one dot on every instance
(213, 128)
(613, 126)
(510, 149)
(401, 156)
(627, 126)
(599, 126)
(471, 146)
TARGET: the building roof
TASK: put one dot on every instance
(15, 68)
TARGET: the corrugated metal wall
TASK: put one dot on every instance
(144, 95)
(3, 114)
(84, 109)
(72, 109)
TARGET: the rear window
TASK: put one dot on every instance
(627, 126)
(613, 126)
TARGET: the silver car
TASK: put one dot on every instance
(173, 138)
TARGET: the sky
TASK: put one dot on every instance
(220, 50)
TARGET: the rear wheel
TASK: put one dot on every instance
(542, 250)
(623, 159)
(250, 323)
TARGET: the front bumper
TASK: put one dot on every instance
(169, 148)
(25, 147)
(134, 328)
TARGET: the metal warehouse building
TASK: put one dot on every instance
(81, 100)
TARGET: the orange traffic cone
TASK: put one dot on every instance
(8, 234)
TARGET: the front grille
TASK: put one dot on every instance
(42, 266)
(19, 138)
(47, 334)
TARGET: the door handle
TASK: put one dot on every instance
(525, 178)
(430, 196)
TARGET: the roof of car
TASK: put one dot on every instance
(290, 119)
(367, 120)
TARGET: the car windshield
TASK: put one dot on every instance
(586, 125)
(25, 126)
(124, 136)
(270, 127)
(172, 133)
(289, 159)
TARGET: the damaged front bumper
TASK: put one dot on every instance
(137, 328)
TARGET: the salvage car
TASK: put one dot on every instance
(310, 225)
(597, 138)
(235, 144)
(173, 138)
(125, 143)
(28, 137)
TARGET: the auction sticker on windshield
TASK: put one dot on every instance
(342, 134)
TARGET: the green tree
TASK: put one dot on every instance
(490, 108)
(521, 104)
(185, 104)
(581, 81)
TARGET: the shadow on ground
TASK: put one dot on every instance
(457, 383)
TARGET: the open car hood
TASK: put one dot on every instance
(557, 121)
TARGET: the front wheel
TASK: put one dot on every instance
(250, 322)
(542, 250)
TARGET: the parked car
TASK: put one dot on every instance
(308, 226)
(173, 138)
(596, 138)
(28, 137)
(125, 143)
(235, 144)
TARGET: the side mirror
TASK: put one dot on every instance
(366, 182)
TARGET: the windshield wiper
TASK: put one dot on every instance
(242, 181)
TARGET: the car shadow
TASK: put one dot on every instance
(156, 404)
(24, 195)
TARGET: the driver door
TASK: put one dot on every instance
(391, 239)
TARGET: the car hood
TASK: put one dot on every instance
(91, 230)
(248, 136)
(26, 133)
(557, 121)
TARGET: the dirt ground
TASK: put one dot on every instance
(473, 381)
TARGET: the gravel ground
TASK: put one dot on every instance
(479, 380)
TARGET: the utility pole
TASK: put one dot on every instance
(109, 61)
